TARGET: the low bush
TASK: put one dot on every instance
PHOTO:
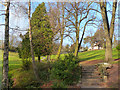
(118, 47)
(58, 84)
(25, 79)
(26, 64)
(43, 71)
(10, 80)
(66, 70)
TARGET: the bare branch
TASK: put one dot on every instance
(2, 3)
(2, 10)
(2, 14)
(95, 10)
(70, 21)
(2, 24)
(17, 29)
(67, 35)
(70, 12)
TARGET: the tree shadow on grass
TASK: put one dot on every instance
(14, 66)
(88, 58)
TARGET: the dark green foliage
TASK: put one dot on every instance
(10, 80)
(26, 64)
(12, 49)
(24, 50)
(58, 84)
(25, 79)
(43, 71)
(66, 70)
(42, 33)
(118, 47)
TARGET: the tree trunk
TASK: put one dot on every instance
(108, 30)
(60, 47)
(77, 33)
(81, 41)
(31, 46)
(108, 51)
(38, 58)
(83, 35)
(76, 44)
(48, 58)
(61, 32)
(5, 81)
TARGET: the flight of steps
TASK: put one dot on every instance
(90, 77)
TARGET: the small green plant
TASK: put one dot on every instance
(66, 70)
(59, 84)
(118, 47)
(25, 79)
(10, 80)
(26, 64)
(43, 71)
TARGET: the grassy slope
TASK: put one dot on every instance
(92, 55)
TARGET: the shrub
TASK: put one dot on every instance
(66, 70)
(25, 79)
(10, 80)
(26, 64)
(43, 71)
(58, 84)
(118, 47)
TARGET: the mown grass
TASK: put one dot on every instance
(91, 55)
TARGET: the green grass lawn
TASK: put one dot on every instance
(91, 55)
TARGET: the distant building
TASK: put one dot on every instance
(96, 46)
(81, 49)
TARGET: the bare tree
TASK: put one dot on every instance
(62, 28)
(57, 21)
(109, 29)
(78, 12)
(31, 46)
(5, 81)
(79, 45)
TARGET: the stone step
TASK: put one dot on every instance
(92, 71)
(91, 80)
(89, 67)
(91, 74)
(90, 87)
(91, 77)
(88, 70)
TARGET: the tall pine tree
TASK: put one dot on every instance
(41, 31)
